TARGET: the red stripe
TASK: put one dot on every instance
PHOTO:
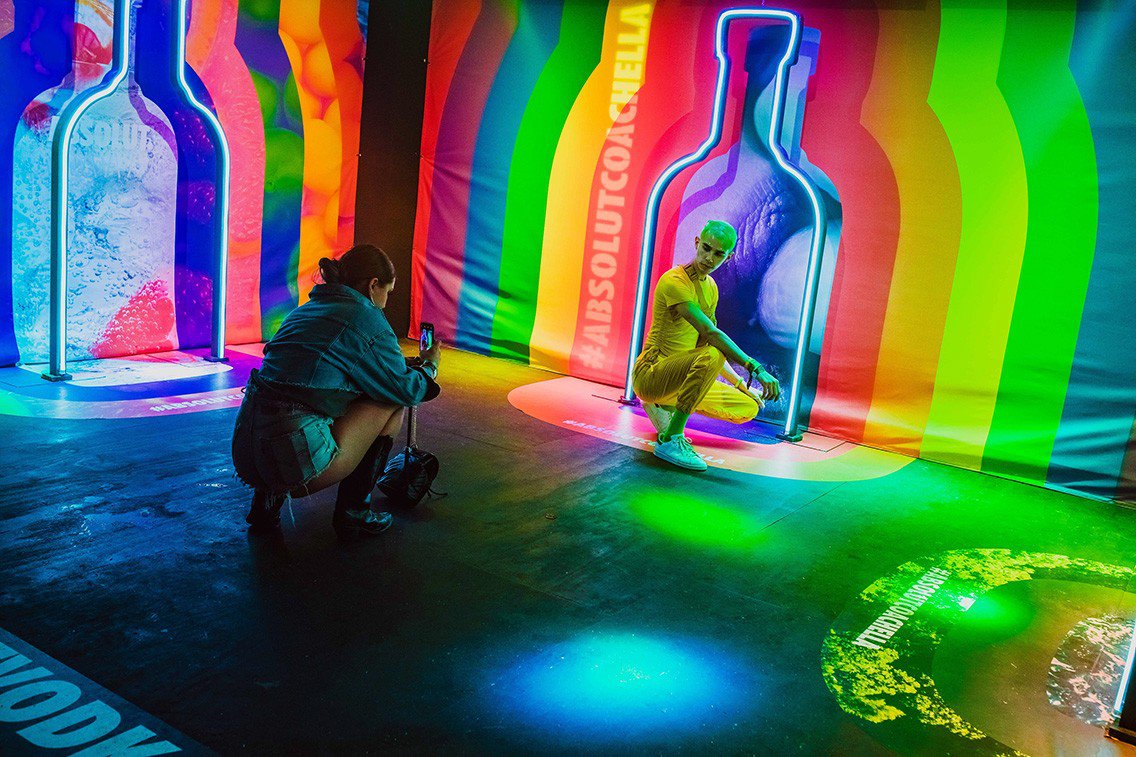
(450, 27)
(670, 122)
(733, 117)
(842, 148)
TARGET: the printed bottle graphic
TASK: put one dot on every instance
(122, 169)
(31, 176)
(195, 245)
(783, 281)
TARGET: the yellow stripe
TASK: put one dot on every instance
(992, 176)
(565, 230)
(323, 142)
(898, 116)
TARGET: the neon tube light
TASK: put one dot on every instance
(221, 198)
(1119, 704)
(60, 147)
(61, 144)
(646, 257)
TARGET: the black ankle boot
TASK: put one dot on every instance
(351, 524)
(354, 490)
(264, 514)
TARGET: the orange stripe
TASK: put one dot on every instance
(457, 18)
(345, 46)
(323, 146)
(840, 146)
(930, 221)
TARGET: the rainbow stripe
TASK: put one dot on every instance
(1095, 446)
(573, 164)
(992, 180)
(575, 56)
(980, 155)
(847, 151)
(1062, 200)
(498, 139)
(927, 245)
(210, 52)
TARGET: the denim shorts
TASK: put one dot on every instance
(280, 445)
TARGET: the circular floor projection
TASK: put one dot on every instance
(985, 651)
(142, 386)
(593, 409)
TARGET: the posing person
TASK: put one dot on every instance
(685, 353)
(325, 405)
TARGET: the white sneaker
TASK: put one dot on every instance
(659, 417)
(678, 451)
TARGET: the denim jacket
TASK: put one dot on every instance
(337, 347)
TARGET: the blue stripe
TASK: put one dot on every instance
(35, 56)
(1100, 407)
(538, 31)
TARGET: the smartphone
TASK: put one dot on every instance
(425, 336)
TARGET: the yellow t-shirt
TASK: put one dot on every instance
(670, 332)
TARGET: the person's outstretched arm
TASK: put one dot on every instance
(383, 374)
(715, 337)
(739, 383)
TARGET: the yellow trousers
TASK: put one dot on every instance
(689, 381)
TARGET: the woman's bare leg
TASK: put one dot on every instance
(355, 431)
(395, 423)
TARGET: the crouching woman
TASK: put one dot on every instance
(325, 406)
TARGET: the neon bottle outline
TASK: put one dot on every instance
(790, 431)
(61, 142)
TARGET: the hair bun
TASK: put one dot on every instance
(357, 267)
(331, 270)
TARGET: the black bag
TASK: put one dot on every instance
(408, 475)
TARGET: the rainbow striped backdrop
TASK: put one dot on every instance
(984, 154)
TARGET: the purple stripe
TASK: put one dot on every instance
(151, 120)
(715, 190)
(457, 136)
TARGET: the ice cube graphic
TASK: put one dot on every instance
(123, 203)
(31, 217)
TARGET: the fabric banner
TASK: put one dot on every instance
(973, 160)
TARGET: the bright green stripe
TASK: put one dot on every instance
(568, 68)
(1057, 144)
(965, 96)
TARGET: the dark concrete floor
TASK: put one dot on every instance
(123, 554)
